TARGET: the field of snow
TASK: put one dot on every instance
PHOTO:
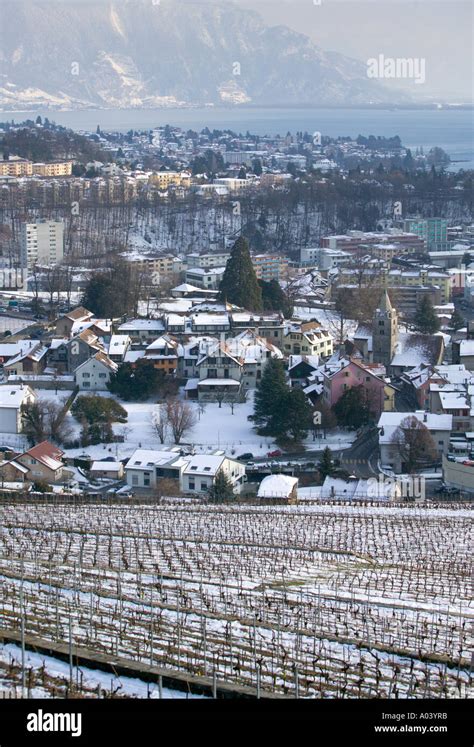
(325, 601)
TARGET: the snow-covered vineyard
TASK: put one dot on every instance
(322, 601)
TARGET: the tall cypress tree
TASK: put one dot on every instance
(239, 283)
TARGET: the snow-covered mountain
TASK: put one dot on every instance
(151, 53)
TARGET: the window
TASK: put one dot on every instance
(192, 485)
(212, 373)
(102, 376)
(134, 479)
(86, 376)
(203, 485)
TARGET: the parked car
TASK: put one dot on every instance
(245, 457)
(276, 453)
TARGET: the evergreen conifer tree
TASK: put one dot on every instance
(425, 319)
(221, 489)
(326, 466)
(457, 320)
(269, 392)
(239, 283)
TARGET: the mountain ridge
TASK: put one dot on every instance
(136, 54)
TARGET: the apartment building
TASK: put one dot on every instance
(434, 231)
(270, 266)
(55, 168)
(165, 179)
(204, 261)
(158, 268)
(15, 166)
(353, 240)
(41, 243)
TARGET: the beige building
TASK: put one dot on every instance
(160, 268)
(44, 462)
(307, 339)
(55, 168)
(15, 166)
(42, 243)
(165, 179)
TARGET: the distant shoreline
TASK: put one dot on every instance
(244, 107)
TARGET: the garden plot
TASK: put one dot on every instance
(326, 601)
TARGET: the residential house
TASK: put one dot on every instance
(201, 471)
(13, 398)
(192, 474)
(307, 338)
(27, 362)
(44, 463)
(146, 466)
(339, 375)
(300, 368)
(118, 346)
(142, 330)
(11, 350)
(220, 375)
(64, 324)
(79, 349)
(164, 353)
(94, 374)
(204, 323)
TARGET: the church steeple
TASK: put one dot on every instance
(385, 331)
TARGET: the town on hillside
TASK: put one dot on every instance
(236, 420)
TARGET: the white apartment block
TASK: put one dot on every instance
(42, 243)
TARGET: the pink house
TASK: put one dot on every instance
(338, 376)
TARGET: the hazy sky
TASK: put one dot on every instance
(440, 31)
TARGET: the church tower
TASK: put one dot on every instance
(385, 331)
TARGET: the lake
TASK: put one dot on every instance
(451, 129)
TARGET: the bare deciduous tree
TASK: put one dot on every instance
(414, 444)
(160, 424)
(45, 420)
(181, 418)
